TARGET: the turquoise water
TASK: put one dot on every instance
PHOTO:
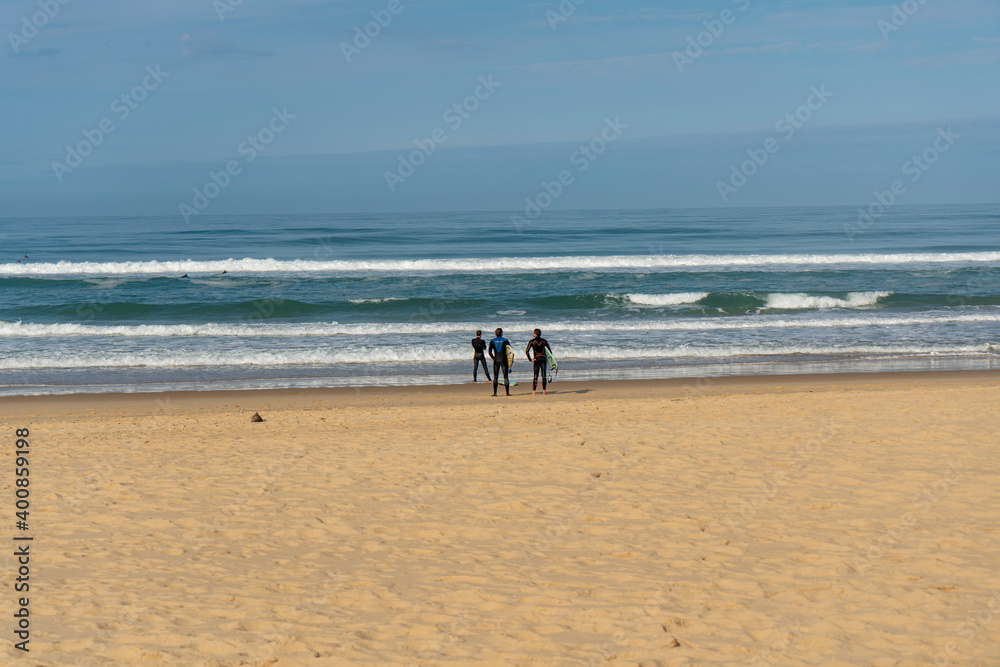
(101, 304)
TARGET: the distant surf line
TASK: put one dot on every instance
(457, 353)
(252, 266)
(280, 330)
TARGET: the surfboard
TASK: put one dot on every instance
(553, 364)
(510, 356)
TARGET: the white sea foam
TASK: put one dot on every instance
(765, 350)
(797, 301)
(22, 330)
(216, 283)
(381, 299)
(666, 299)
(165, 358)
(365, 354)
(106, 283)
(513, 264)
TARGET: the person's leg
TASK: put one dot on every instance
(545, 372)
(496, 375)
(475, 368)
(506, 377)
(485, 367)
(534, 379)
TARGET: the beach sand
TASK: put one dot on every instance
(809, 520)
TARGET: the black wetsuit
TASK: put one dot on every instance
(479, 345)
(498, 353)
(541, 361)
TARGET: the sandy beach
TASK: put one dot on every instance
(806, 520)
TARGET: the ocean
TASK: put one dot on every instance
(101, 305)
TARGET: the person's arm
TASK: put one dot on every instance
(493, 353)
(527, 351)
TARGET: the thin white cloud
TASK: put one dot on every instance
(620, 63)
(778, 47)
(597, 65)
(209, 45)
(967, 57)
(644, 14)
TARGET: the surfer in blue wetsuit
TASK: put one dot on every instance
(540, 347)
(479, 357)
(498, 353)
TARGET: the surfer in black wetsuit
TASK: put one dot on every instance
(541, 361)
(498, 353)
(479, 357)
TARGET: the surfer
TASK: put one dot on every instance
(479, 357)
(540, 347)
(498, 353)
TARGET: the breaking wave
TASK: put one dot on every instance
(512, 264)
(20, 330)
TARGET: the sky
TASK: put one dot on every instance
(256, 106)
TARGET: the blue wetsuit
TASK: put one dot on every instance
(498, 353)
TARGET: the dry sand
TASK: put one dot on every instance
(814, 520)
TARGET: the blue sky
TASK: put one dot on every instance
(684, 128)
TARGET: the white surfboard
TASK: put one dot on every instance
(510, 365)
(553, 364)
